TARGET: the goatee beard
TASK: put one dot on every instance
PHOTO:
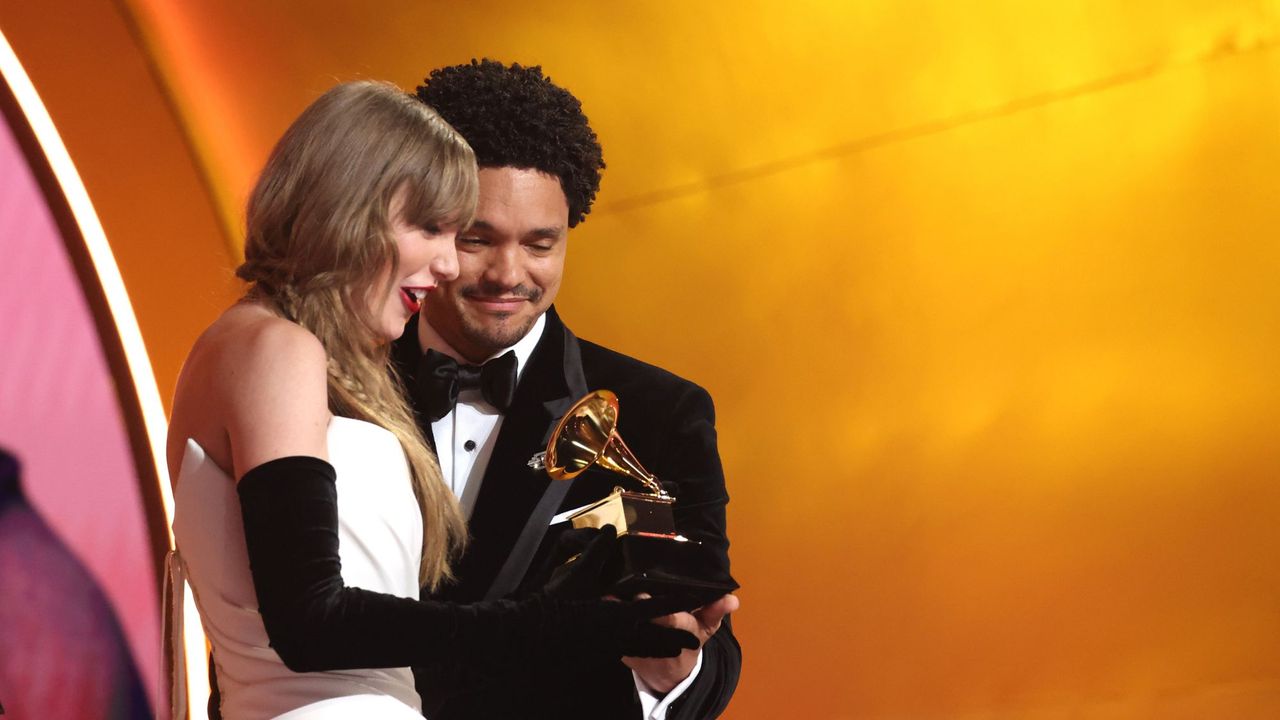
(492, 340)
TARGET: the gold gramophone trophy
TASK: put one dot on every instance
(653, 557)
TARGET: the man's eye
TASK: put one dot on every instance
(541, 248)
(471, 240)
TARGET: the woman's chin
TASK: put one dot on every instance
(392, 328)
(387, 335)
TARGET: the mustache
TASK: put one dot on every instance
(483, 289)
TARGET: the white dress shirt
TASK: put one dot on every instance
(654, 707)
(465, 437)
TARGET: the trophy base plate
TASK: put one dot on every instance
(663, 566)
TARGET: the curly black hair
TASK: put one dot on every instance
(516, 117)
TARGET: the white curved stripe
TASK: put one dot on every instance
(104, 264)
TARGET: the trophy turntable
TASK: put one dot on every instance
(653, 557)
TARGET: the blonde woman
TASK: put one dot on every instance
(309, 510)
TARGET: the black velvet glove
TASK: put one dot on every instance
(315, 622)
(583, 555)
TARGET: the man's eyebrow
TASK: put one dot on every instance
(554, 232)
(550, 232)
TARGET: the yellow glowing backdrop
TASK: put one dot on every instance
(988, 295)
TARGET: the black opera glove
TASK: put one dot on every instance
(576, 567)
(314, 622)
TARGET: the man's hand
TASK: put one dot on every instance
(663, 674)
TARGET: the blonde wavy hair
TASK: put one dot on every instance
(318, 242)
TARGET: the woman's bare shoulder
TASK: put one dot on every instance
(249, 328)
(256, 384)
(249, 342)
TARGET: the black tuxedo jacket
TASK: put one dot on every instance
(669, 424)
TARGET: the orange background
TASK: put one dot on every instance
(988, 295)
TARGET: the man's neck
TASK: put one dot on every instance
(430, 339)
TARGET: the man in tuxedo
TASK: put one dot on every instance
(540, 167)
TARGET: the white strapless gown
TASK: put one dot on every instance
(380, 544)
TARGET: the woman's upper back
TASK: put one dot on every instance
(252, 389)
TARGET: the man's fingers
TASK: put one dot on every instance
(703, 621)
(710, 616)
(650, 608)
(725, 605)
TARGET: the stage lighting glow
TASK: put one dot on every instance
(126, 323)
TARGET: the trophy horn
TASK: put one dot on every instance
(587, 435)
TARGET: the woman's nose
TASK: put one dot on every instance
(445, 265)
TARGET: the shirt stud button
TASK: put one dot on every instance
(469, 445)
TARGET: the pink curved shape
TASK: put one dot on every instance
(60, 416)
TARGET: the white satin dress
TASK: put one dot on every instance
(380, 545)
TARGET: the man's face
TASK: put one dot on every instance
(509, 263)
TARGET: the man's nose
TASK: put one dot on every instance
(503, 268)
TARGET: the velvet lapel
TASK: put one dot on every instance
(511, 489)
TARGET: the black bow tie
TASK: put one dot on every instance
(440, 379)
